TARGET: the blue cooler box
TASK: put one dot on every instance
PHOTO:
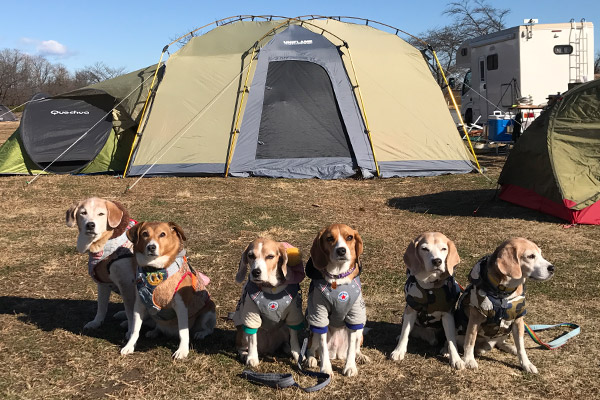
(500, 127)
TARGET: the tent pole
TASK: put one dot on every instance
(137, 133)
(237, 118)
(457, 109)
(364, 112)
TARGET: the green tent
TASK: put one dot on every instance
(89, 130)
(555, 165)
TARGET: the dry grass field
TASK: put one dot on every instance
(46, 295)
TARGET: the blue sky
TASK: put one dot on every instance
(132, 33)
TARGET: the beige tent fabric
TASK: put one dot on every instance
(407, 114)
(196, 103)
(198, 95)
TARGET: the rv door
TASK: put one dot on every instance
(483, 102)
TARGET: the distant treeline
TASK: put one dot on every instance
(22, 75)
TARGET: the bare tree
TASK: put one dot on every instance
(98, 72)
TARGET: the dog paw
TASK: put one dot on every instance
(153, 334)
(529, 367)
(311, 362)
(128, 349)
(252, 361)
(327, 369)
(457, 364)
(92, 325)
(350, 370)
(397, 355)
(471, 364)
(120, 315)
(181, 353)
(295, 355)
(507, 348)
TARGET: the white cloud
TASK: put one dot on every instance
(52, 47)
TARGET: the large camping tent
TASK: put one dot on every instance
(298, 98)
(555, 165)
(88, 130)
(6, 114)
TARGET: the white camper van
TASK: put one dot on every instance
(524, 64)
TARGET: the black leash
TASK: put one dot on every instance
(280, 381)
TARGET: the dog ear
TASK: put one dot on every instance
(358, 245)
(452, 259)
(133, 234)
(243, 267)
(319, 256)
(411, 257)
(70, 217)
(282, 269)
(115, 214)
(507, 260)
(178, 230)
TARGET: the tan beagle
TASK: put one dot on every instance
(493, 304)
(431, 294)
(102, 225)
(269, 312)
(168, 288)
(336, 311)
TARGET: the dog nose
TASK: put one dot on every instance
(90, 225)
(256, 273)
(151, 247)
(551, 269)
(341, 251)
(436, 262)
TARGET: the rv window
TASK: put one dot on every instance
(482, 71)
(563, 49)
(492, 62)
(466, 83)
(463, 51)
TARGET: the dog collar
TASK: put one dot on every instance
(155, 276)
(489, 283)
(343, 275)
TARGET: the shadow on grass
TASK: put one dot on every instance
(468, 203)
(71, 315)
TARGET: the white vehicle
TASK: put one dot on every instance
(523, 65)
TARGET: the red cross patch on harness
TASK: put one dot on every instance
(343, 296)
(273, 306)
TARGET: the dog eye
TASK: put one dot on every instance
(100, 214)
(145, 234)
(531, 256)
(329, 238)
(350, 237)
(162, 234)
(83, 212)
(251, 256)
(444, 249)
(270, 257)
(424, 249)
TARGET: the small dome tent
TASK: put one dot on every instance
(298, 98)
(555, 165)
(79, 131)
(6, 114)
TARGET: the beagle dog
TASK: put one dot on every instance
(102, 226)
(168, 288)
(431, 294)
(493, 305)
(336, 311)
(269, 312)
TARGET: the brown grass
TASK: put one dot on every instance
(46, 296)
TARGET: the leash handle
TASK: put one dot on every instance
(559, 341)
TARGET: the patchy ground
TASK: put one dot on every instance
(46, 296)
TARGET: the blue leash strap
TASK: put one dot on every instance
(280, 381)
(559, 341)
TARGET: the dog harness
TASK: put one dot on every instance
(114, 249)
(335, 306)
(492, 302)
(148, 280)
(272, 306)
(427, 301)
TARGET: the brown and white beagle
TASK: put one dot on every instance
(336, 311)
(269, 312)
(102, 225)
(493, 305)
(431, 294)
(168, 288)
